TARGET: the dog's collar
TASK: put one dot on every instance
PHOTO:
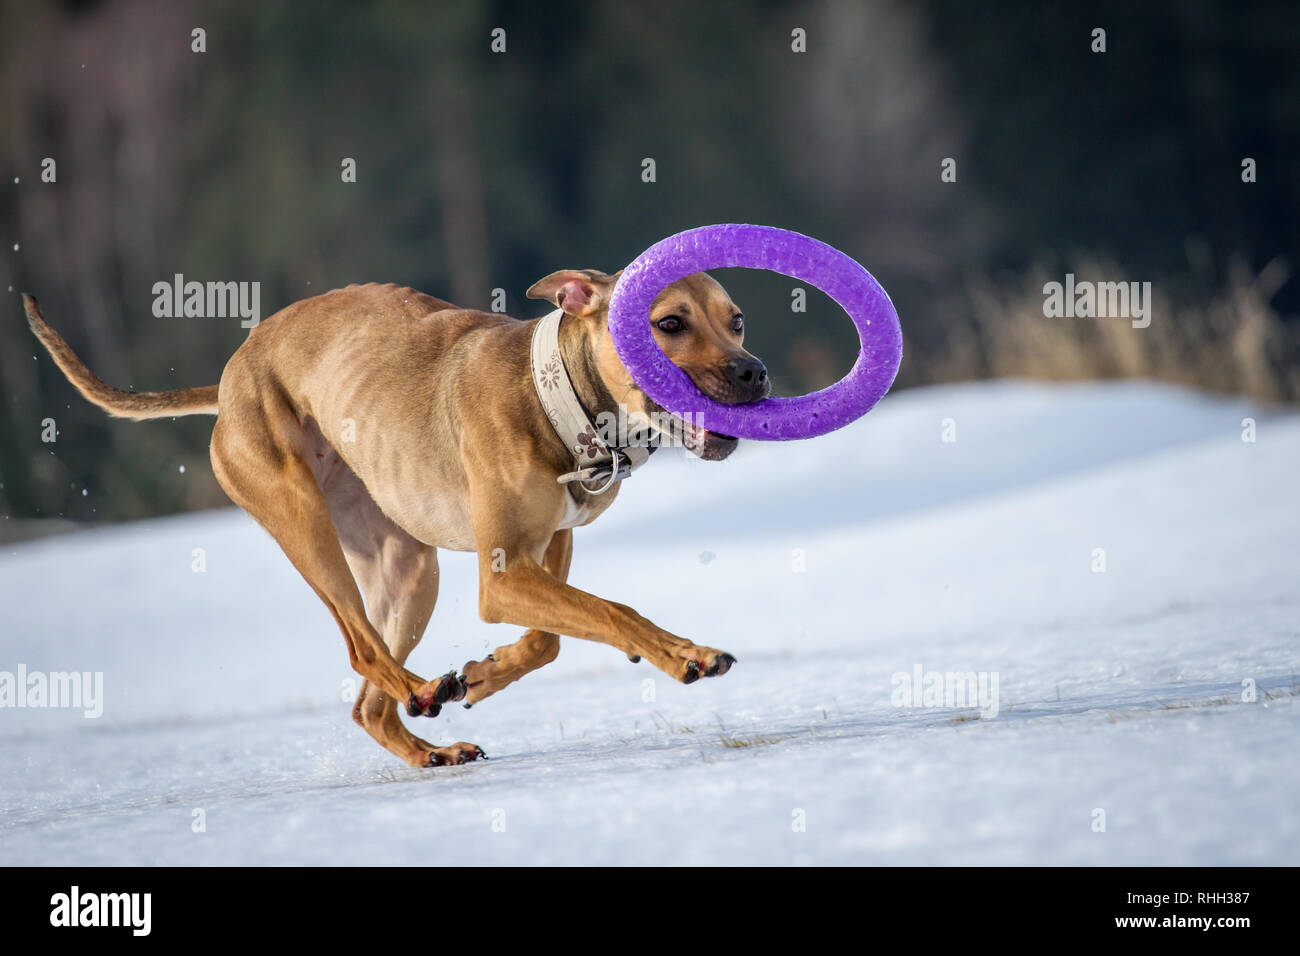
(598, 462)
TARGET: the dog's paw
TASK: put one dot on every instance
(714, 664)
(430, 697)
(484, 678)
(454, 755)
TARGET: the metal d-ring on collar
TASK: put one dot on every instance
(596, 460)
(612, 468)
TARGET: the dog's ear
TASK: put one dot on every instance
(576, 291)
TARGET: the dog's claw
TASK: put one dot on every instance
(634, 658)
(452, 686)
(462, 757)
(720, 666)
(696, 669)
(415, 709)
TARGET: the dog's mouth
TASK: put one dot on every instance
(708, 445)
(698, 440)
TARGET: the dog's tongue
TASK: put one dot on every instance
(694, 436)
(690, 434)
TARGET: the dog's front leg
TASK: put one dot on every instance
(534, 649)
(515, 589)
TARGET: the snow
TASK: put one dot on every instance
(227, 691)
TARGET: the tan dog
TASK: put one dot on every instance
(369, 426)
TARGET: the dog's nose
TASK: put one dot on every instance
(748, 375)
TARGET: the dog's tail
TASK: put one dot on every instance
(137, 405)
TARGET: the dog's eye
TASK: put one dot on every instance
(738, 323)
(671, 324)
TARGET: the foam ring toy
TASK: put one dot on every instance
(776, 250)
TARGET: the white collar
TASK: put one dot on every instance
(597, 460)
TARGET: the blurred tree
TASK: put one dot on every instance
(479, 169)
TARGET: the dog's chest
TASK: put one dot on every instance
(574, 514)
(578, 513)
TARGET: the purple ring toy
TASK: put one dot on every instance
(776, 250)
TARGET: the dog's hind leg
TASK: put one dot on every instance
(534, 649)
(258, 457)
(399, 577)
(400, 582)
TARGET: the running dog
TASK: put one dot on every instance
(367, 427)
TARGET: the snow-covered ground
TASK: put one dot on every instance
(827, 568)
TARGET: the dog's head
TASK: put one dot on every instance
(696, 324)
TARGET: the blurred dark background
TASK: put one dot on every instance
(479, 170)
